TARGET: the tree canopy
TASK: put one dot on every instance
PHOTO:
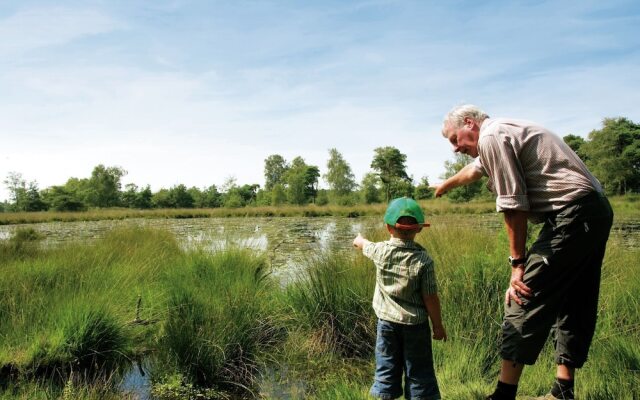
(613, 155)
(389, 164)
(339, 177)
(275, 168)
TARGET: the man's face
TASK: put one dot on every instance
(464, 139)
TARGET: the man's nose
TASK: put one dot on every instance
(456, 148)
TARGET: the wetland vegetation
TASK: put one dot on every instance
(77, 317)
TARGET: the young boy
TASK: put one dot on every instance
(405, 295)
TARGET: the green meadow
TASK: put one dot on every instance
(76, 319)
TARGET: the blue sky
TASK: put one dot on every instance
(196, 92)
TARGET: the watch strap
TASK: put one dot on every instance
(517, 261)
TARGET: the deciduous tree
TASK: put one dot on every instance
(23, 196)
(613, 155)
(389, 163)
(423, 190)
(576, 143)
(60, 198)
(301, 182)
(104, 186)
(275, 168)
(370, 188)
(339, 177)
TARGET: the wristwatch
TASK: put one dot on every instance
(517, 261)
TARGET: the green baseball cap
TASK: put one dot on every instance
(404, 207)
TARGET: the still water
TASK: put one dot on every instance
(285, 240)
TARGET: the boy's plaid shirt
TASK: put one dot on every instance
(404, 272)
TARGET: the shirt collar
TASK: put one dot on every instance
(485, 125)
(401, 242)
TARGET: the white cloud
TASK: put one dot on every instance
(35, 28)
(175, 104)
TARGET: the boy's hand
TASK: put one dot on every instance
(359, 241)
(439, 333)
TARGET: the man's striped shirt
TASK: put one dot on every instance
(530, 168)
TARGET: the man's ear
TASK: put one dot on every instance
(469, 122)
(389, 228)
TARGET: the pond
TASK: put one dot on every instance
(286, 240)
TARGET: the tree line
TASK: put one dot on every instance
(612, 153)
(286, 182)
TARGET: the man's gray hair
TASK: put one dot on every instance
(455, 117)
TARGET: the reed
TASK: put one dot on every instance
(437, 206)
(218, 319)
(331, 299)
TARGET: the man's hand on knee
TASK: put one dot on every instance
(517, 288)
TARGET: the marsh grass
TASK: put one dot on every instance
(626, 206)
(332, 301)
(436, 206)
(23, 243)
(64, 311)
(214, 323)
(72, 389)
(219, 320)
(71, 314)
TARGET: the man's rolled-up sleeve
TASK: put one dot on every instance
(477, 164)
(501, 164)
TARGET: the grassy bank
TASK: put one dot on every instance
(626, 207)
(435, 206)
(217, 325)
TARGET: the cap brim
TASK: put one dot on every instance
(412, 227)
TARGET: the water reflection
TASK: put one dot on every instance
(137, 382)
(285, 240)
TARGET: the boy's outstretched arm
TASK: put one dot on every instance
(359, 242)
(432, 303)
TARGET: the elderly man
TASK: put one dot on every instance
(537, 177)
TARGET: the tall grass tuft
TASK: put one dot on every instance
(90, 344)
(23, 243)
(332, 299)
(218, 320)
(94, 341)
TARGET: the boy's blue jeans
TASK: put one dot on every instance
(404, 348)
